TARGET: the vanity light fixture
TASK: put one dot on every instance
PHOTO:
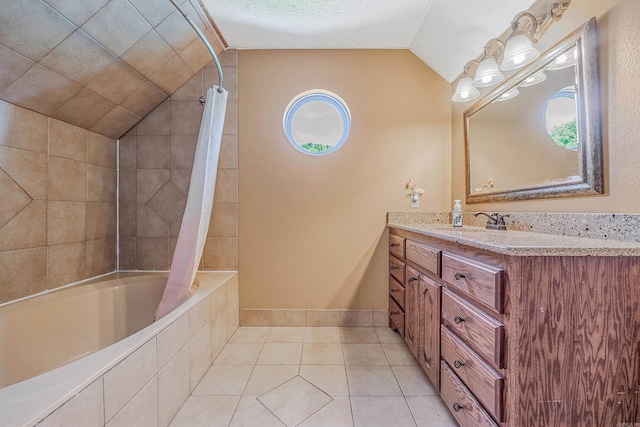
(567, 59)
(534, 79)
(517, 52)
(508, 95)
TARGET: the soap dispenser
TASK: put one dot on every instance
(456, 220)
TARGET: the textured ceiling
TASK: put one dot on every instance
(99, 64)
(443, 33)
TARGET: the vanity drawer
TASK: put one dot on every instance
(480, 282)
(462, 404)
(423, 255)
(396, 316)
(483, 381)
(396, 290)
(396, 268)
(396, 245)
(479, 331)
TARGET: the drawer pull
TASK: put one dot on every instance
(458, 320)
(394, 267)
(393, 245)
(393, 313)
(457, 406)
(459, 276)
(458, 364)
(393, 291)
(412, 279)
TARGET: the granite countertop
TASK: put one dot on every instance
(523, 243)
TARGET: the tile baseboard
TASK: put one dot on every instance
(313, 317)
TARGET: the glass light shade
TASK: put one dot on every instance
(465, 91)
(534, 79)
(565, 60)
(487, 73)
(508, 95)
(518, 52)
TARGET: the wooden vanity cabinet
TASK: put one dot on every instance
(429, 345)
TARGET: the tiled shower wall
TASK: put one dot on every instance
(57, 203)
(156, 157)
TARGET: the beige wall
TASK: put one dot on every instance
(312, 229)
(619, 67)
(57, 203)
(156, 157)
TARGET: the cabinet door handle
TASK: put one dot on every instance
(393, 313)
(412, 279)
(393, 291)
(458, 364)
(393, 245)
(394, 267)
(458, 320)
(459, 276)
(457, 406)
(410, 336)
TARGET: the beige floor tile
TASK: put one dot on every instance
(294, 401)
(335, 414)
(389, 336)
(430, 411)
(322, 335)
(249, 334)
(381, 411)
(267, 377)
(359, 335)
(286, 334)
(332, 379)
(239, 354)
(322, 354)
(251, 413)
(413, 381)
(224, 379)
(399, 354)
(372, 381)
(280, 353)
(206, 411)
(364, 354)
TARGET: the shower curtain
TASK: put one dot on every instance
(195, 222)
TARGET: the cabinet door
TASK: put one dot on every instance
(430, 295)
(412, 311)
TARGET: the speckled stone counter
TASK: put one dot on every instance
(520, 243)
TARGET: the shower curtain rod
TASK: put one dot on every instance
(205, 41)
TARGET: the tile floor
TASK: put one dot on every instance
(314, 377)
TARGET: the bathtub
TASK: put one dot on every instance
(55, 345)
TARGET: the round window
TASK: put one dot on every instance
(317, 122)
(560, 118)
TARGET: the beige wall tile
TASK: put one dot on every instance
(176, 31)
(233, 306)
(356, 317)
(219, 300)
(157, 122)
(127, 219)
(224, 220)
(14, 198)
(185, 117)
(219, 333)
(24, 273)
(13, 66)
(322, 318)
(28, 229)
(182, 179)
(66, 222)
(192, 90)
(227, 186)
(128, 186)
(230, 80)
(149, 224)
(115, 123)
(101, 184)
(77, 12)
(173, 387)
(141, 410)
(229, 152)
(380, 317)
(127, 378)
(85, 409)
(228, 58)
(27, 168)
(182, 151)
(101, 220)
(127, 253)
(255, 317)
(231, 118)
(172, 75)
(101, 150)
(67, 180)
(152, 253)
(153, 12)
(101, 256)
(127, 149)
(144, 99)
(149, 181)
(287, 317)
(116, 82)
(68, 141)
(152, 152)
(172, 339)
(196, 55)
(84, 109)
(220, 253)
(199, 316)
(138, 56)
(66, 264)
(22, 128)
(199, 355)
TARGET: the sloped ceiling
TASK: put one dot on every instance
(99, 64)
(445, 34)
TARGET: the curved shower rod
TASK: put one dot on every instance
(204, 40)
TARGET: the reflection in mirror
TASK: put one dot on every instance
(538, 134)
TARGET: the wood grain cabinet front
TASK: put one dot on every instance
(396, 291)
(396, 268)
(396, 246)
(425, 256)
(412, 311)
(429, 357)
(396, 317)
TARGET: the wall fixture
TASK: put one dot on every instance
(517, 51)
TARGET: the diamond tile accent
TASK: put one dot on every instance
(169, 202)
(14, 198)
(294, 401)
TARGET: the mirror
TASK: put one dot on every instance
(539, 133)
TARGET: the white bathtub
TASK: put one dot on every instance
(55, 345)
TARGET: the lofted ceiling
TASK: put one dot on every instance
(99, 64)
(445, 34)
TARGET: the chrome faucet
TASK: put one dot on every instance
(495, 221)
